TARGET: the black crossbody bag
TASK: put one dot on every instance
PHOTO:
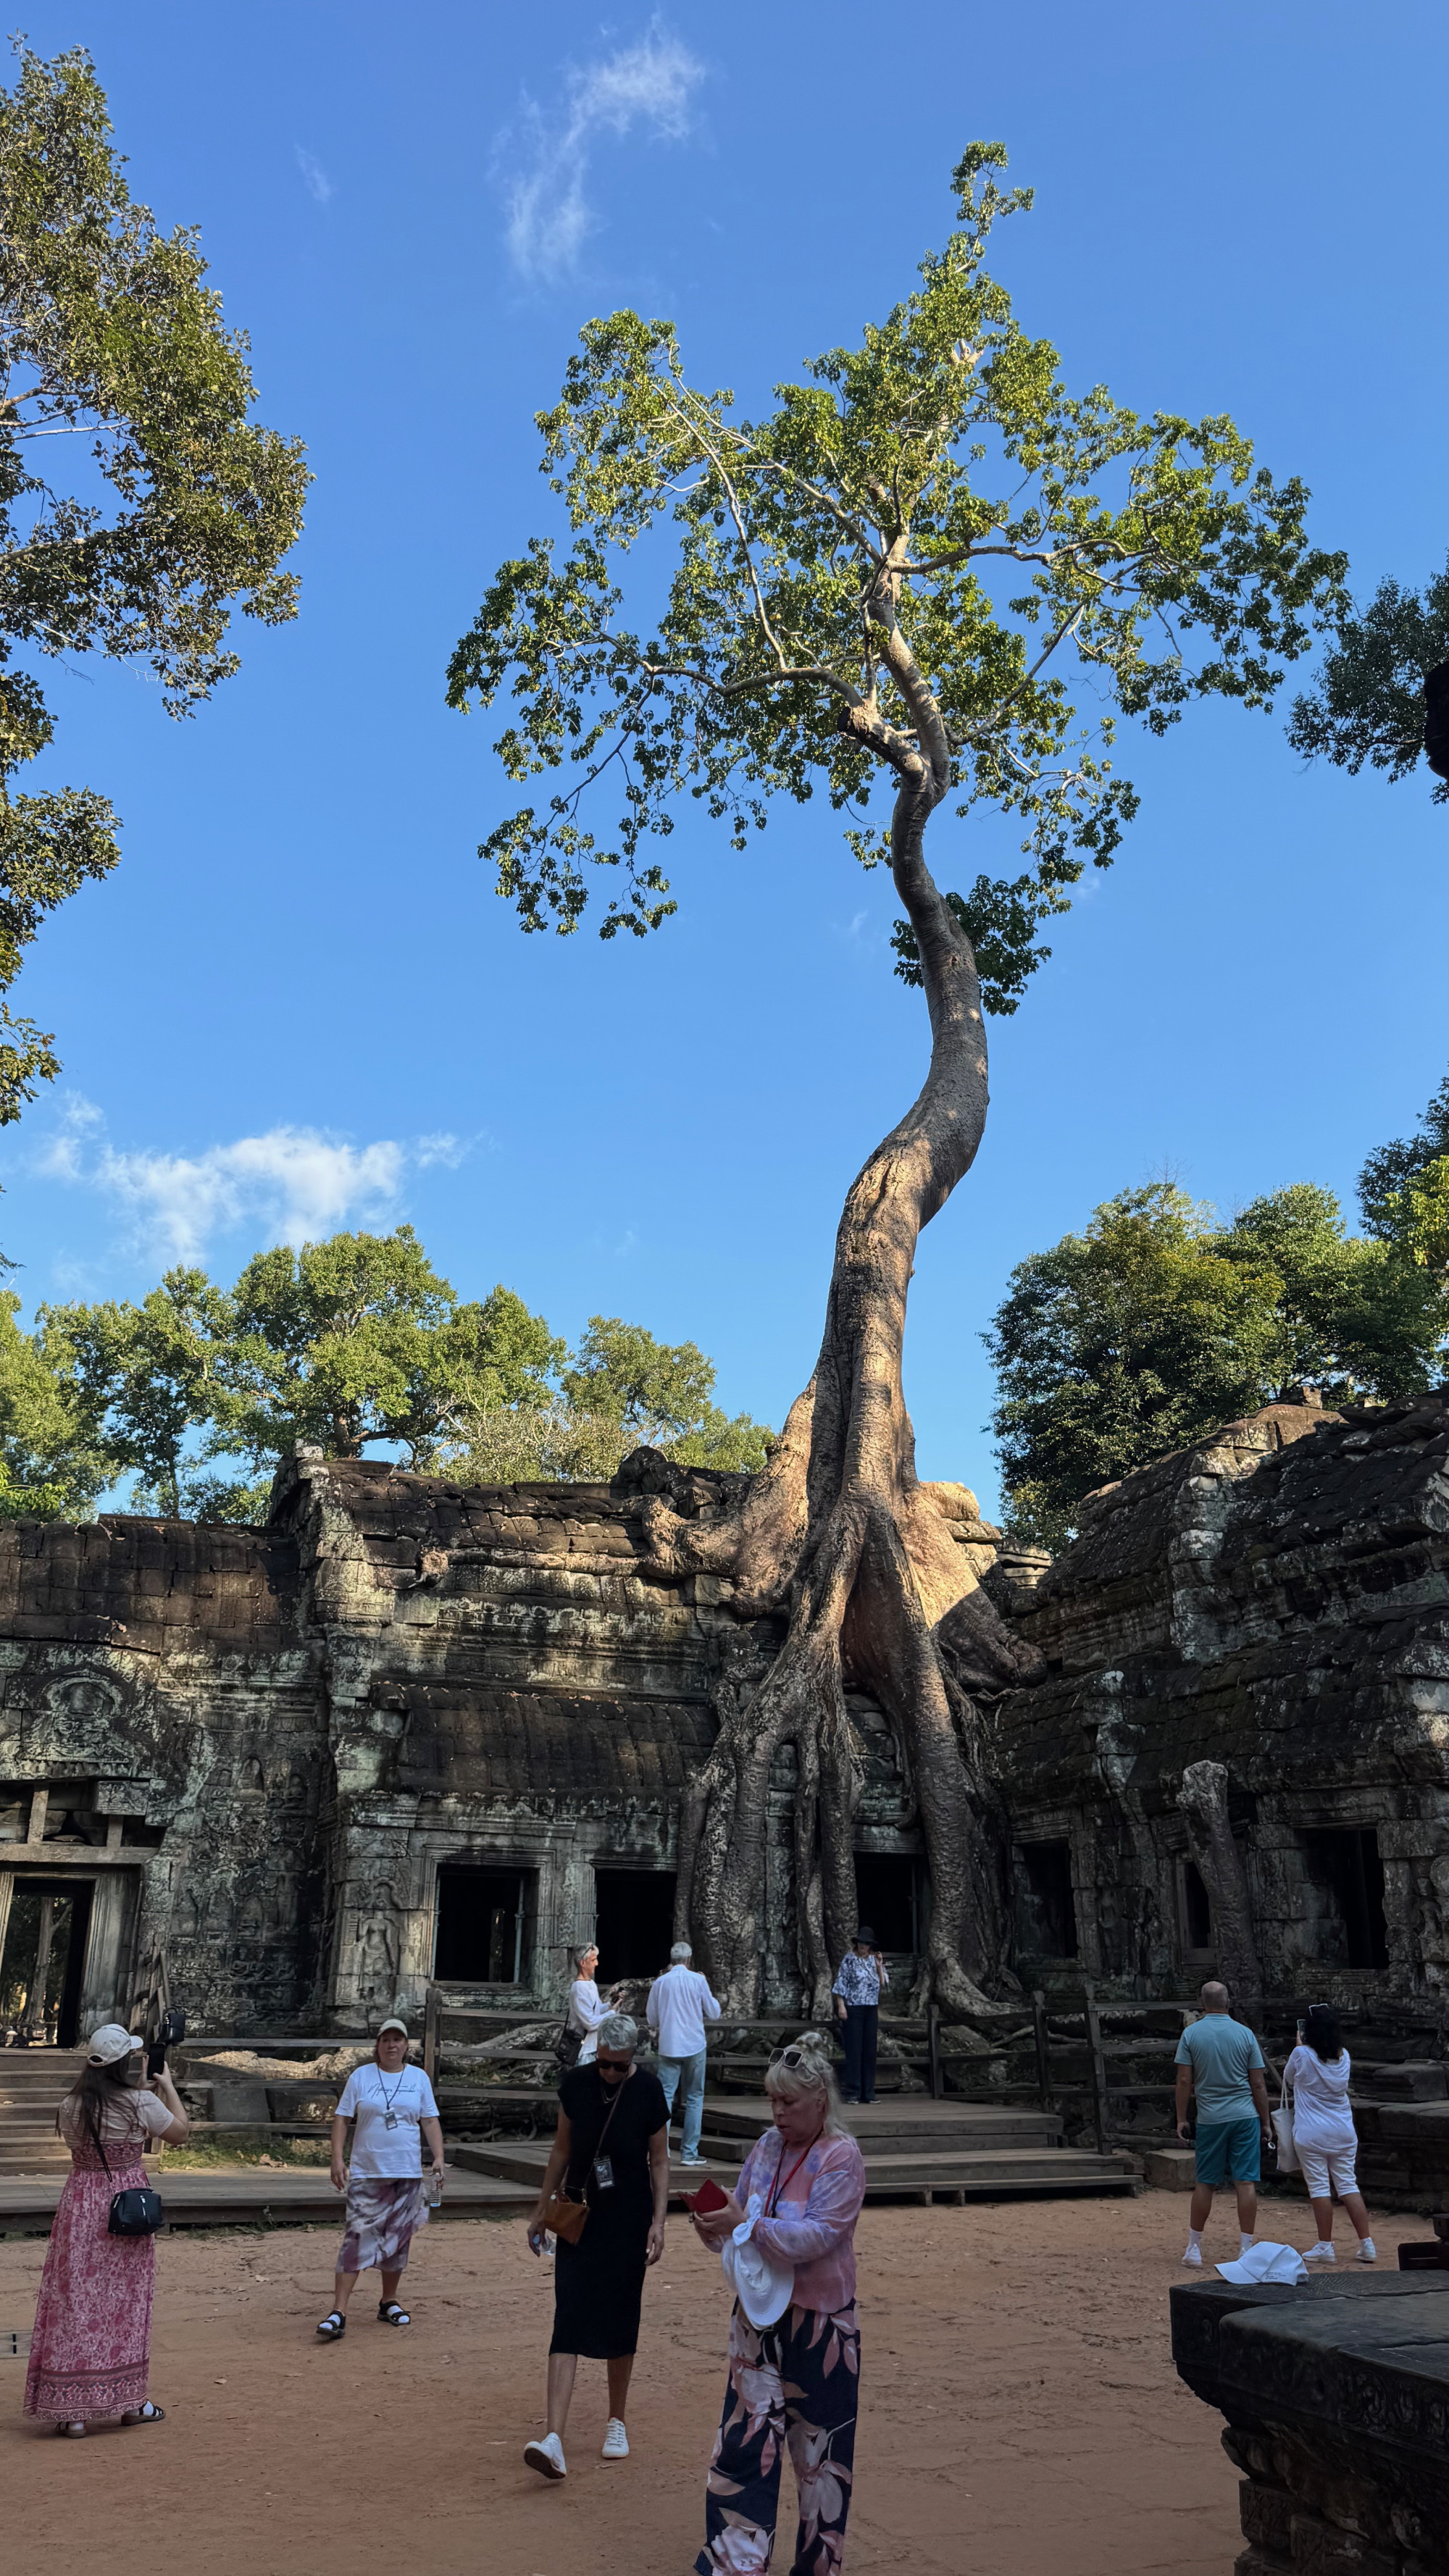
(137, 2212)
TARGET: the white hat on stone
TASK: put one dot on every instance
(1266, 2262)
(111, 2041)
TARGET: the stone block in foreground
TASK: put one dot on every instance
(1336, 2399)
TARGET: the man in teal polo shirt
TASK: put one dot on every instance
(1219, 2060)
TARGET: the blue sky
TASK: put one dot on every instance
(298, 1003)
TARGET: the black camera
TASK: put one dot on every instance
(170, 2029)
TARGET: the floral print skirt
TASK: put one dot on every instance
(793, 2383)
(90, 2353)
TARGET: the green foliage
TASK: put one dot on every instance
(110, 339)
(1119, 1345)
(1367, 702)
(145, 1376)
(624, 1390)
(335, 1345)
(50, 1467)
(1354, 1316)
(1402, 1181)
(345, 1344)
(914, 549)
(1156, 1326)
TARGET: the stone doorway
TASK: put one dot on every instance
(888, 1899)
(633, 1921)
(480, 1926)
(43, 1959)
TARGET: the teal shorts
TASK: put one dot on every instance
(1229, 2151)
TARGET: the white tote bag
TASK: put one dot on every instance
(1283, 2133)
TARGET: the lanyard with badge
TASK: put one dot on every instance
(391, 2120)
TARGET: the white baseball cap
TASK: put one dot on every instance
(111, 2041)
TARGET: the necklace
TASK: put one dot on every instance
(778, 2186)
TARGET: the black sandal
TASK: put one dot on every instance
(147, 2414)
(331, 2327)
(390, 2314)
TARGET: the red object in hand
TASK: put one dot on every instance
(708, 2196)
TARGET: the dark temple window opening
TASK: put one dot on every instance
(633, 1922)
(888, 1898)
(43, 1960)
(1344, 1865)
(1046, 1906)
(479, 1936)
(1197, 1912)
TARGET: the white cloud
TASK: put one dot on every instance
(545, 166)
(291, 1185)
(314, 177)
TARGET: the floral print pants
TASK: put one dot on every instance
(793, 2383)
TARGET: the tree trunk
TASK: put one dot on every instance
(1203, 1799)
(837, 1529)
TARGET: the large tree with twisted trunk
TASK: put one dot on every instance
(892, 582)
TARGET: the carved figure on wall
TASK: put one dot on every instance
(376, 1967)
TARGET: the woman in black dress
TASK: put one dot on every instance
(612, 2151)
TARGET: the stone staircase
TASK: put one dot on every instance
(914, 2148)
(32, 2081)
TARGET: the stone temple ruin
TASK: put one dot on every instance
(411, 1731)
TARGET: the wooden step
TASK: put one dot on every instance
(994, 2173)
(298, 2198)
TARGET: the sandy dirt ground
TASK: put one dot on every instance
(1019, 2411)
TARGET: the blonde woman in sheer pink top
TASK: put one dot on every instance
(797, 2201)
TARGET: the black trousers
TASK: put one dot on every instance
(858, 2040)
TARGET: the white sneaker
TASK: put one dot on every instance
(1320, 2253)
(1367, 2251)
(616, 2441)
(1194, 2255)
(546, 2456)
(693, 2160)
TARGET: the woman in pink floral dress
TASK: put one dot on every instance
(793, 2381)
(90, 2353)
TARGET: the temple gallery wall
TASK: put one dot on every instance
(410, 1730)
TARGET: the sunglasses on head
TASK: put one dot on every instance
(795, 2057)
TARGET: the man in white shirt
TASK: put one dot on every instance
(680, 2003)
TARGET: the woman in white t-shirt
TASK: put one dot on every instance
(1323, 2132)
(393, 2106)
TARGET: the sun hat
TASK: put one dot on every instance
(763, 2285)
(111, 2042)
(864, 1935)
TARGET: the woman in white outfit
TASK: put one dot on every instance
(585, 2010)
(1323, 2130)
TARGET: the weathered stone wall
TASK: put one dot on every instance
(1275, 1603)
(258, 1748)
(264, 1745)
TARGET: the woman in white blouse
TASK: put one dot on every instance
(1323, 2132)
(585, 2010)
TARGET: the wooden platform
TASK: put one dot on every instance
(914, 2149)
(249, 2198)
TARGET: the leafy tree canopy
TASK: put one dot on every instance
(145, 1377)
(114, 363)
(1157, 1325)
(929, 547)
(346, 1344)
(51, 1467)
(1367, 702)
